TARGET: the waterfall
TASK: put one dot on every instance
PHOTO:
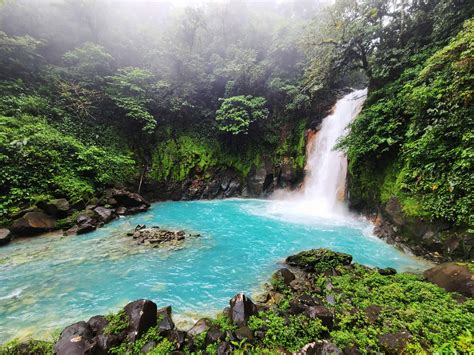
(326, 168)
(323, 191)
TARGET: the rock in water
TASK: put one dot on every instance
(453, 277)
(142, 315)
(241, 309)
(319, 260)
(5, 236)
(105, 214)
(75, 339)
(85, 224)
(158, 237)
(33, 223)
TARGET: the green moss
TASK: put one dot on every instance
(429, 313)
(290, 334)
(117, 322)
(319, 260)
(17, 347)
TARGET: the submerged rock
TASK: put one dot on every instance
(453, 277)
(33, 223)
(5, 236)
(319, 260)
(158, 237)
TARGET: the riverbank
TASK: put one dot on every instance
(321, 302)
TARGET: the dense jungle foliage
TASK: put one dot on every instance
(95, 93)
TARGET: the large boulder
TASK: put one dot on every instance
(453, 277)
(126, 198)
(142, 315)
(33, 223)
(241, 309)
(58, 208)
(5, 236)
(104, 214)
(319, 260)
(85, 224)
(75, 339)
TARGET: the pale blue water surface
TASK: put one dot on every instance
(51, 281)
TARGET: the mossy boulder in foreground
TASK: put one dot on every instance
(319, 260)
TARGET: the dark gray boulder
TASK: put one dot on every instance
(214, 335)
(322, 313)
(142, 315)
(241, 309)
(104, 214)
(164, 319)
(85, 224)
(97, 324)
(75, 339)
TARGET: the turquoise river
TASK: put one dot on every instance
(50, 281)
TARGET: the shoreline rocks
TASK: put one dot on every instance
(58, 214)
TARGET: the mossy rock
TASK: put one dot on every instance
(319, 260)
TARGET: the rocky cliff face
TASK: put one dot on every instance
(435, 240)
(261, 180)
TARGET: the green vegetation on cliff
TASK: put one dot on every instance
(413, 139)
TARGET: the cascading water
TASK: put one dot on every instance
(326, 168)
(323, 190)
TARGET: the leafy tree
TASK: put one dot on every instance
(19, 57)
(89, 63)
(131, 90)
(237, 114)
